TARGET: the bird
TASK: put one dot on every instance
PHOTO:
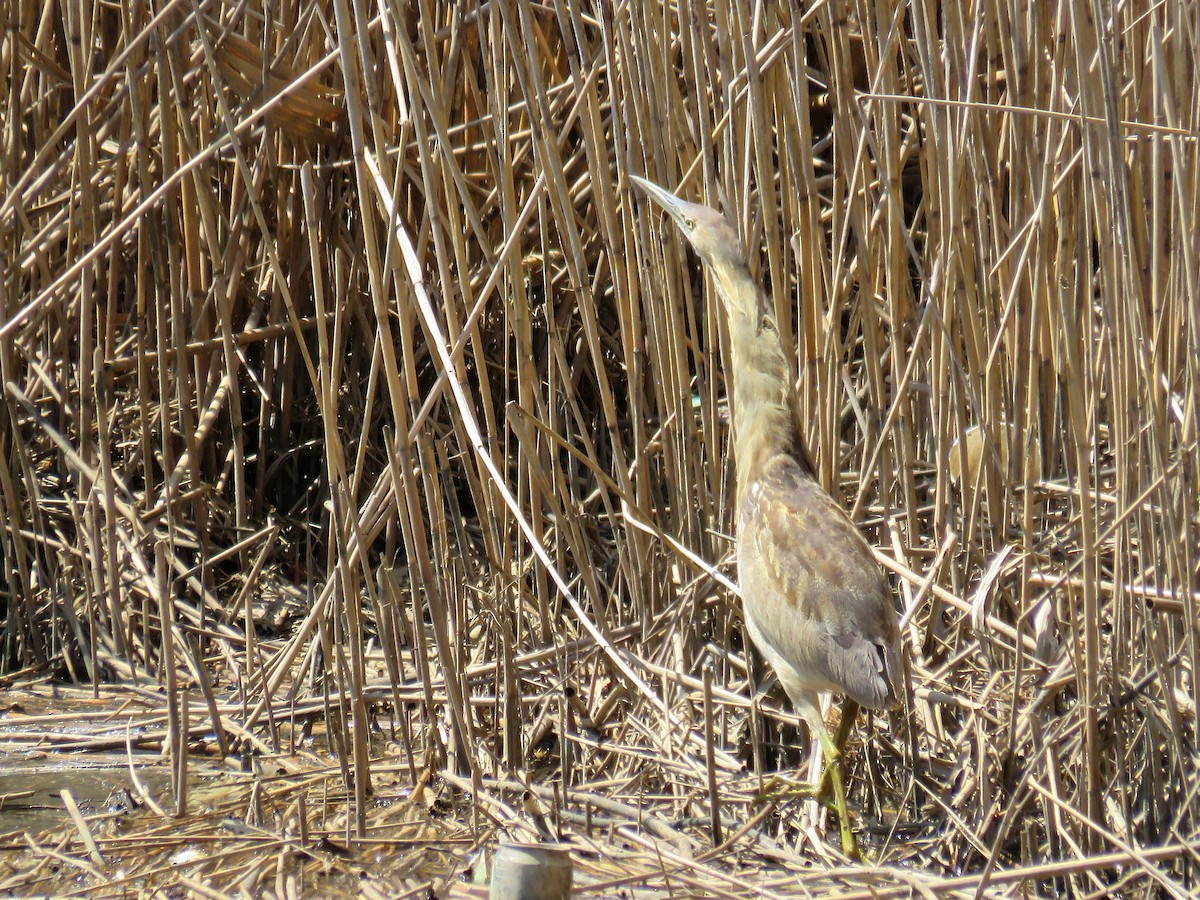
(815, 602)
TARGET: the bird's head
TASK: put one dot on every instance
(709, 232)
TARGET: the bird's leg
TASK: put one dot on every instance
(845, 724)
(833, 769)
(831, 748)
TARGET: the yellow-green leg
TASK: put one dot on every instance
(845, 724)
(831, 778)
(833, 771)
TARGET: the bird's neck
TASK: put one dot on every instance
(763, 404)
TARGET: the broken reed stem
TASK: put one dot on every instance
(714, 799)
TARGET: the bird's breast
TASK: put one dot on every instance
(797, 544)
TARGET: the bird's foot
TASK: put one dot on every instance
(782, 788)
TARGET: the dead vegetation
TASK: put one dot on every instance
(358, 415)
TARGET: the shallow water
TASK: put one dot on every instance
(31, 786)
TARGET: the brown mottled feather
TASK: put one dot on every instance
(813, 589)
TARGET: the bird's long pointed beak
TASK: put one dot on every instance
(661, 196)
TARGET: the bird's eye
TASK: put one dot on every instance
(689, 224)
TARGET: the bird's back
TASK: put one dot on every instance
(818, 603)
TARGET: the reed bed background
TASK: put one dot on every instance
(357, 413)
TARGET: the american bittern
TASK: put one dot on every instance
(816, 603)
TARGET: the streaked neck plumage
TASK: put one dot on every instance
(765, 421)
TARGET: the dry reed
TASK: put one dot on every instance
(347, 382)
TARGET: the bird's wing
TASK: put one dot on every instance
(813, 588)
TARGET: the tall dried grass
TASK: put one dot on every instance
(353, 303)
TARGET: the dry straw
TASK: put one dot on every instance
(350, 391)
